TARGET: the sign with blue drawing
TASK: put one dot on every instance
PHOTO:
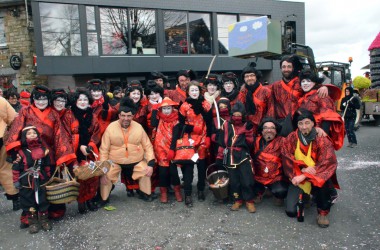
(256, 37)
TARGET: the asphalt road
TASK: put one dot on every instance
(135, 224)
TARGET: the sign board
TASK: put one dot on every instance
(258, 37)
(15, 62)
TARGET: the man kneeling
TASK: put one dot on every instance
(310, 163)
(127, 145)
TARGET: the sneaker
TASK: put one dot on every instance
(236, 206)
(250, 207)
(323, 221)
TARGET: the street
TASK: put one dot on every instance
(135, 224)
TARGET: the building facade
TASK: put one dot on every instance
(117, 40)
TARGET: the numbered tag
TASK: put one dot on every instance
(91, 165)
(105, 170)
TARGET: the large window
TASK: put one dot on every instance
(223, 22)
(143, 31)
(3, 39)
(60, 29)
(187, 33)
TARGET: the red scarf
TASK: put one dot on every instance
(35, 148)
(168, 118)
(98, 102)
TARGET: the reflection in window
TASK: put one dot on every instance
(175, 24)
(114, 31)
(223, 22)
(200, 33)
(247, 17)
(92, 37)
(92, 44)
(143, 31)
(3, 40)
(60, 29)
(90, 18)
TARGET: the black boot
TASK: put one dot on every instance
(188, 201)
(91, 205)
(82, 207)
(201, 196)
(130, 193)
(103, 203)
(16, 204)
(145, 197)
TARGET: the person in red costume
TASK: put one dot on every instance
(195, 118)
(310, 163)
(179, 93)
(41, 115)
(256, 97)
(103, 111)
(287, 92)
(230, 87)
(164, 118)
(323, 109)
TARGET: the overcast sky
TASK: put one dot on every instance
(338, 29)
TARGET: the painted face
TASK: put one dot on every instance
(41, 103)
(135, 95)
(96, 94)
(228, 86)
(250, 78)
(183, 81)
(59, 103)
(31, 134)
(269, 131)
(167, 110)
(194, 92)
(305, 126)
(286, 69)
(160, 82)
(83, 102)
(125, 119)
(12, 100)
(307, 85)
(211, 88)
(154, 97)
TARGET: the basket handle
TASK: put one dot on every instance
(214, 164)
(67, 172)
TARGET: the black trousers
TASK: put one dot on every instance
(28, 200)
(322, 198)
(242, 182)
(279, 189)
(168, 175)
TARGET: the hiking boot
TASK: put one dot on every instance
(34, 225)
(236, 206)
(188, 201)
(250, 207)
(278, 202)
(177, 193)
(201, 196)
(44, 221)
(164, 195)
(323, 221)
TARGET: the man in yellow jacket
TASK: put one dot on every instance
(126, 144)
(7, 114)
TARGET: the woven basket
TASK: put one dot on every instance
(213, 174)
(87, 171)
(61, 191)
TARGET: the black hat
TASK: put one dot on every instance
(135, 83)
(301, 114)
(230, 77)
(250, 69)
(308, 74)
(152, 86)
(38, 92)
(269, 119)
(238, 107)
(157, 75)
(127, 105)
(214, 79)
(55, 93)
(187, 73)
(96, 84)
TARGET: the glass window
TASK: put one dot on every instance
(223, 22)
(200, 33)
(175, 24)
(143, 31)
(60, 29)
(114, 31)
(3, 39)
(92, 36)
(90, 18)
(247, 17)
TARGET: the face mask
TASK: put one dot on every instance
(224, 112)
(237, 120)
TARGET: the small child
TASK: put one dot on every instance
(235, 140)
(29, 175)
(165, 119)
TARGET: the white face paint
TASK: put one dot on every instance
(135, 95)
(82, 102)
(59, 103)
(96, 94)
(307, 85)
(41, 103)
(154, 97)
(194, 92)
(167, 110)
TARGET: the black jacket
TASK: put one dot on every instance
(352, 103)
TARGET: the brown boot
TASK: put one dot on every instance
(250, 207)
(177, 193)
(323, 221)
(34, 225)
(44, 221)
(164, 194)
(236, 206)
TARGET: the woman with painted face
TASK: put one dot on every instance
(102, 109)
(155, 94)
(323, 108)
(164, 119)
(53, 136)
(85, 131)
(195, 119)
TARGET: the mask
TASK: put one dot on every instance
(224, 112)
(237, 120)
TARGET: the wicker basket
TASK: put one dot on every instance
(61, 191)
(214, 173)
(92, 169)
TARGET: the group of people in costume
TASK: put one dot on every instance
(280, 138)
